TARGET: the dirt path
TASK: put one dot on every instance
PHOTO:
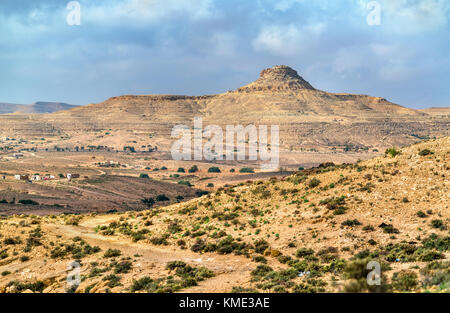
(230, 270)
(100, 194)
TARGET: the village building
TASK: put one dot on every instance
(72, 176)
(21, 177)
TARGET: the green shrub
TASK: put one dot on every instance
(393, 152)
(303, 252)
(260, 259)
(350, 223)
(246, 170)
(162, 240)
(113, 280)
(12, 241)
(174, 227)
(261, 271)
(438, 224)
(193, 169)
(421, 214)
(404, 280)
(389, 228)
(198, 246)
(148, 201)
(28, 202)
(425, 152)
(313, 183)
(161, 198)
(37, 286)
(111, 253)
(144, 283)
(260, 246)
(368, 228)
(24, 258)
(122, 267)
(214, 169)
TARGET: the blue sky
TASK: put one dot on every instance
(197, 47)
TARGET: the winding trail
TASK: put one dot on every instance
(230, 270)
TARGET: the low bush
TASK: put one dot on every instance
(404, 281)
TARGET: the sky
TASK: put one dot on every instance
(395, 49)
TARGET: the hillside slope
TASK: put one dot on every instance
(313, 231)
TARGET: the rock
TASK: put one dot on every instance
(275, 253)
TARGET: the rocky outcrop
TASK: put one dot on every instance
(278, 78)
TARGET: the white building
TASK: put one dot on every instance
(21, 177)
(72, 176)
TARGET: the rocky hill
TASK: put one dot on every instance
(308, 118)
(37, 107)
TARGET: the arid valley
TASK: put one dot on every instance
(359, 179)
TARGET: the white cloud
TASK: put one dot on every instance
(287, 40)
(147, 11)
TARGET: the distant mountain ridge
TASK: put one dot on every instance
(38, 107)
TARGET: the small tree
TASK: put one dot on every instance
(148, 201)
(193, 169)
(214, 169)
(161, 198)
